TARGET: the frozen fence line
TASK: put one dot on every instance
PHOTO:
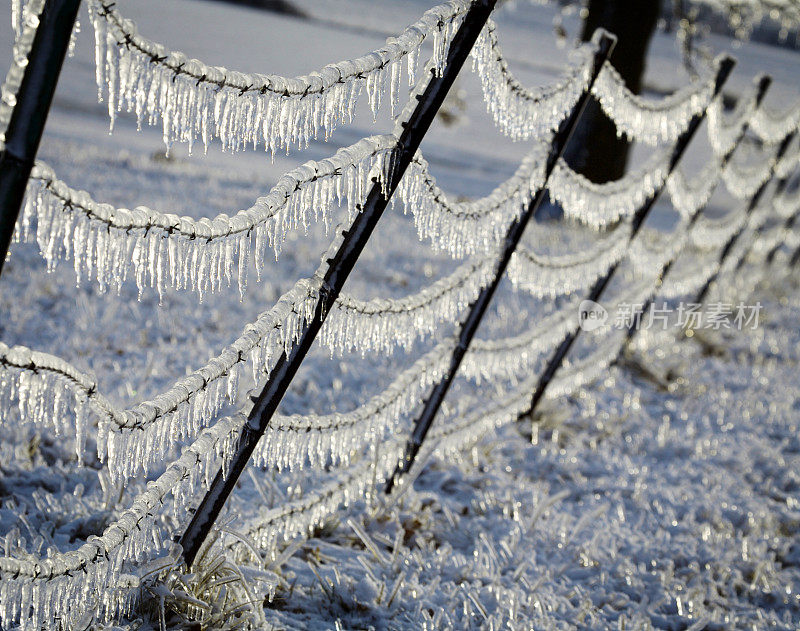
(357, 447)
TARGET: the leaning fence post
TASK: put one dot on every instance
(701, 296)
(557, 359)
(605, 44)
(339, 267)
(763, 86)
(33, 99)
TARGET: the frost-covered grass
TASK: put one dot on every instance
(638, 508)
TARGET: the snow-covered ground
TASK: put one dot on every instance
(633, 506)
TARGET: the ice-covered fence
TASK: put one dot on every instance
(194, 100)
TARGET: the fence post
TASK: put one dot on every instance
(750, 206)
(340, 266)
(29, 115)
(478, 308)
(763, 86)
(557, 359)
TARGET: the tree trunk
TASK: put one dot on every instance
(596, 151)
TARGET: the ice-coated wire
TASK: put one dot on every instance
(521, 112)
(165, 250)
(712, 234)
(772, 126)
(382, 324)
(463, 228)
(131, 440)
(553, 275)
(599, 205)
(651, 121)
(195, 100)
(689, 196)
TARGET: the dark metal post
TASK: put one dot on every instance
(763, 86)
(557, 359)
(340, 266)
(478, 308)
(27, 122)
(701, 296)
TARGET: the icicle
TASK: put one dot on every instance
(477, 226)
(195, 100)
(103, 240)
(651, 122)
(600, 205)
(550, 276)
(522, 113)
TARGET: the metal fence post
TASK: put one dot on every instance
(28, 118)
(478, 308)
(340, 266)
(557, 359)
